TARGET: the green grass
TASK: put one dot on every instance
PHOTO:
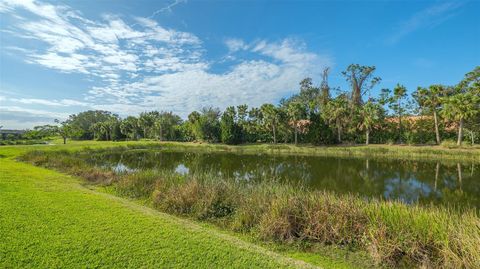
(466, 153)
(392, 233)
(51, 220)
(48, 220)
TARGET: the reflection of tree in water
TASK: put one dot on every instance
(409, 181)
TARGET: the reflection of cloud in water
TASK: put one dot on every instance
(244, 176)
(182, 169)
(407, 190)
(409, 181)
(121, 168)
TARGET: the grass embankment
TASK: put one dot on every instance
(392, 233)
(50, 220)
(467, 153)
(374, 151)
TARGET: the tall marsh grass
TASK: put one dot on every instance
(392, 233)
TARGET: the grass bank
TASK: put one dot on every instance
(392, 233)
(374, 151)
(466, 153)
(50, 220)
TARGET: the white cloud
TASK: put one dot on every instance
(429, 17)
(145, 66)
(45, 102)
(235, 44)
(34, 112)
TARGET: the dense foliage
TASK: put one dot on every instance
(427, 116)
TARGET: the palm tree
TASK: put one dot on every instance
(336, 112)
(430, 100)
(295, 113)
(460, 107)
(370, 114)
(128, 127)
(146, 121)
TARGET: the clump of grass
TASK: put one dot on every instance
(315, 216)
(448, 143)
(393, 233)
(203, 200)
(137, 185)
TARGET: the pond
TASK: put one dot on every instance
(422, 182)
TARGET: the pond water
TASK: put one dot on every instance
(421, 182)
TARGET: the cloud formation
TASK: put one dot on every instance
(145, 66)
(427, 18)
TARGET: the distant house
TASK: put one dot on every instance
(412, 120)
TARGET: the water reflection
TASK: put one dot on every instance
(409, 181)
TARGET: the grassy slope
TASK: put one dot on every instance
(49, 220)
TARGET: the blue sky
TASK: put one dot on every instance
(62, 57)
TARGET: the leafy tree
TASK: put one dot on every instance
(109, 127)
(254, 127)
(166, 125)
(271, 117)
(396, 101)
(460, 107)
(361, 80)
(295, 113)
(146, 122)
(228, 126)
(205, 126)
(309, 97)
(85, 120)
(242, 114)
(371, 114)
(97, 129)
(430, 101)
(129, 127)
(464, 104)
(41, 132)
(66, 130)
(336, 112)
(324, 88)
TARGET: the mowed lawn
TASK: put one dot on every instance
(50, 220)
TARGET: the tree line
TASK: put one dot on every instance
(316, 115)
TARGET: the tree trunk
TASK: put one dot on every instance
(437, 133)
(356, 92)
(460, 133)
(339, 135)
(367, 141)
(296, 134)
(274, 135)
(64, 140)
(400, 123)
